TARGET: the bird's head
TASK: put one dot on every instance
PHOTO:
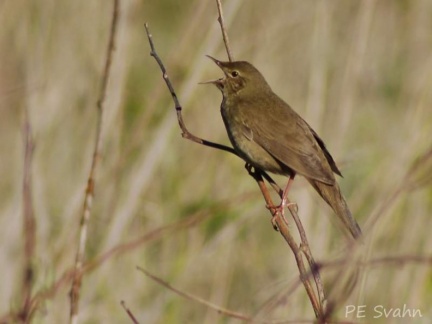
(240, 78)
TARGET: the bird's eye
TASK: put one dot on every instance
(234, 74)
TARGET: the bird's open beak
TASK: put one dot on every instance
(218, 82)
(218, 63)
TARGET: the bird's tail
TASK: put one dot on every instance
(333, 196)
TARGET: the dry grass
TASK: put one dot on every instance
(359, 71)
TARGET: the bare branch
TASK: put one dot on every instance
(217, 308)
(89, 194)
(185, 132)
(305, 248)
(194, 298)
(419, 175)
(224, 32)
(396, 260)
(131, 315)
(29, 222)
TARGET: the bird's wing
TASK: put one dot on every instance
(288, 138)
(326, 153)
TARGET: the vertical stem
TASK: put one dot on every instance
(224, 32)
(89, 193)
(29, 222)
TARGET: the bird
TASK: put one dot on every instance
(269, 135)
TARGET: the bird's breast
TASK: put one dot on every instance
(241, 136)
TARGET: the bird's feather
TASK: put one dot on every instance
(289, 139)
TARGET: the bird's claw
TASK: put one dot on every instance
(276, 210)
(274, 223)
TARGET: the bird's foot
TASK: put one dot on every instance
(276, 211)
(280, 210)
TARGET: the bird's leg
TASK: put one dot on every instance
(285, 192)
(274, 209)
(283, 204)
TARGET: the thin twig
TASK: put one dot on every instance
(272, 183)
(89, 193)
(29, 222)
(419, 175)
(195, 298)
(217, 308)
(396, 260)
(224, 32)
(185, 132)
(151, 236)
(128, 311)
(308, 253)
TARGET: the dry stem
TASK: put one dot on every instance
(217, 308)
(29, 223)
(223, 29)
(128, 311)
(89, 193)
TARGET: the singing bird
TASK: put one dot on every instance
(269, 135)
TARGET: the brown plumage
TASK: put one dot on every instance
(267, 133)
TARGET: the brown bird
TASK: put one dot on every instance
(269, 135)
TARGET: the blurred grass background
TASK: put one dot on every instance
(360, 72)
